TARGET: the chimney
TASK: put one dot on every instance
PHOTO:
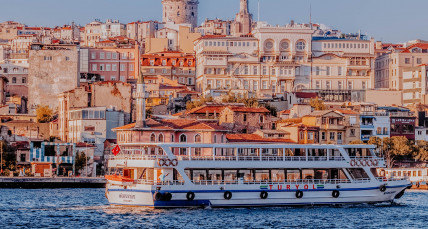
(141, 103)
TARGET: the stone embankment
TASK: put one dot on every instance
(54, 182)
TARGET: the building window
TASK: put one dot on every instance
(339, 136)
(323, 136)
(67, 58)
(93, 55)
(198, 138)
(419, 60)
(407, 60)
(153, 138)
(122, 67)
(114, 67)
(14, 80)
(352, 133)
(183, 138)
(245, 117)
(300, 45)
(332, 136)
(24, 80)
(108, 67)
(101, 55)
(339, 71)
(101, 67)
(328, 71)
(160, 138)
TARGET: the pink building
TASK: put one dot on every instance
(111, 61)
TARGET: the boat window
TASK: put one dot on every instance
(199, 175)
(293, 175)
(246, 174)
(358, 173)
(321, 174)
(308, 174)
(214, 175)
(262, 175)
(230, 175)
(278, 175)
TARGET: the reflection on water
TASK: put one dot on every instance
(73, 208)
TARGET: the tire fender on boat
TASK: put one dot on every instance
(335, 193)
(264, 195)
(382, 188)
(299, 194)
(227, 195)
(157, 196)
(167, 196)
(190, 196)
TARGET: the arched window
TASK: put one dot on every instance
(14, 80)
(300, 45)
(183, 138)
(24, 80)
(160, 138)
(153, 138)
(178, 14)
(198, 138)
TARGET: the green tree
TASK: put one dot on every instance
(80, 162)
(44, 114)
(376, 141)
(318, 104)
(8, 155)
(387, 151)
(273, 110)
(421, 151)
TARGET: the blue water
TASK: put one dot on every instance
(88, 208)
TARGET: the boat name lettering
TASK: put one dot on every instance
(289, 187)
(126, 196)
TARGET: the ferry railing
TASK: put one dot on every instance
(262, 158)
(135, 157)
(385, 179)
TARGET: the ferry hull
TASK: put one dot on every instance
(143, 196)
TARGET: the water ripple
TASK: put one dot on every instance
(88, 208)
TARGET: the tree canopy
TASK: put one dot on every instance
(317, 104)
(44, 114)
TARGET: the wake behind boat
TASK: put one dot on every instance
(165, 175)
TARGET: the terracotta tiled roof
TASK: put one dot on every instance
(249, 109)
(206, 108)
(350, 112)
(285, 112)
(253, 138)
(417, 45)
(175, 124)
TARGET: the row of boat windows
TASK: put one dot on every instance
(406, 173)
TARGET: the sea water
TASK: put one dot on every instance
(88, 208)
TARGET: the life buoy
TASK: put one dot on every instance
(190, 196)
(174, 162)
(375, 162)
(167, 196)
(299, 194)
(352, 163)
(369, 163)
(335, 193)
(358, 163)
(382, 188)
(161, 162)
(363, 162)
(264, 195)
(227, 195)
(157, 196)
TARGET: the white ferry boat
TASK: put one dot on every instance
(167, 175)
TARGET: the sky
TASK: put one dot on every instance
(386, 20)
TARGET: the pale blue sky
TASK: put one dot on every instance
(386, 20)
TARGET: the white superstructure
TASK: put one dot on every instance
(239, 175)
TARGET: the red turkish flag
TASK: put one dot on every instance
(116, 150)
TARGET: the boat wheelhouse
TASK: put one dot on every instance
(163, 175)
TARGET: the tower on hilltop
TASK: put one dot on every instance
(180, 11)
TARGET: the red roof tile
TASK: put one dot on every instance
(249, 109)
(254, 138)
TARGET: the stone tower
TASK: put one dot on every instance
(243, 21)
(181, 11)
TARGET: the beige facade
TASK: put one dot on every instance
(245, 119)
(53, 70)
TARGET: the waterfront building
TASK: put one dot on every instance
(170, 65)
(331, 125)
(53, 69)
(116, 59)
(391, 66)
(215, 27)
(402, 121)
(415, 88)
(246, 119)
(180, 11)
(92, 33)
(112, 95)
(45, 154)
